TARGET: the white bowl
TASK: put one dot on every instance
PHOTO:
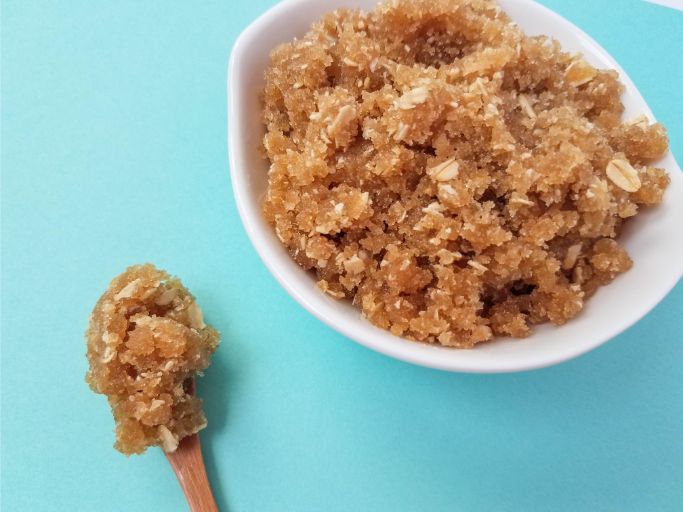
(653, 238)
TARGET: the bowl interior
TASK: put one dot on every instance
(650, 238)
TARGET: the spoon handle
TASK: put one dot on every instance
(188, 466)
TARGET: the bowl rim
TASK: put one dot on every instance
(398, 347)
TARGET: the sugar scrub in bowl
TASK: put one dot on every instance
(449, 175)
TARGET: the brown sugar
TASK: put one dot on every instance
(453, 177)
(146, 340)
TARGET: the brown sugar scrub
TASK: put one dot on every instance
(146, 340)
(454, 178)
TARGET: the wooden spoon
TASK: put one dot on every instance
(188, 465)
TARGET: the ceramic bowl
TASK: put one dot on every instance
(654, 239)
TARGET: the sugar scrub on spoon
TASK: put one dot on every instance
(146, 341)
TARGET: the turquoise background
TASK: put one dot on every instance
(114, 152)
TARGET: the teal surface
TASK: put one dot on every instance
(114, 152)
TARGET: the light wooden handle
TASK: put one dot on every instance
(188, 466)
